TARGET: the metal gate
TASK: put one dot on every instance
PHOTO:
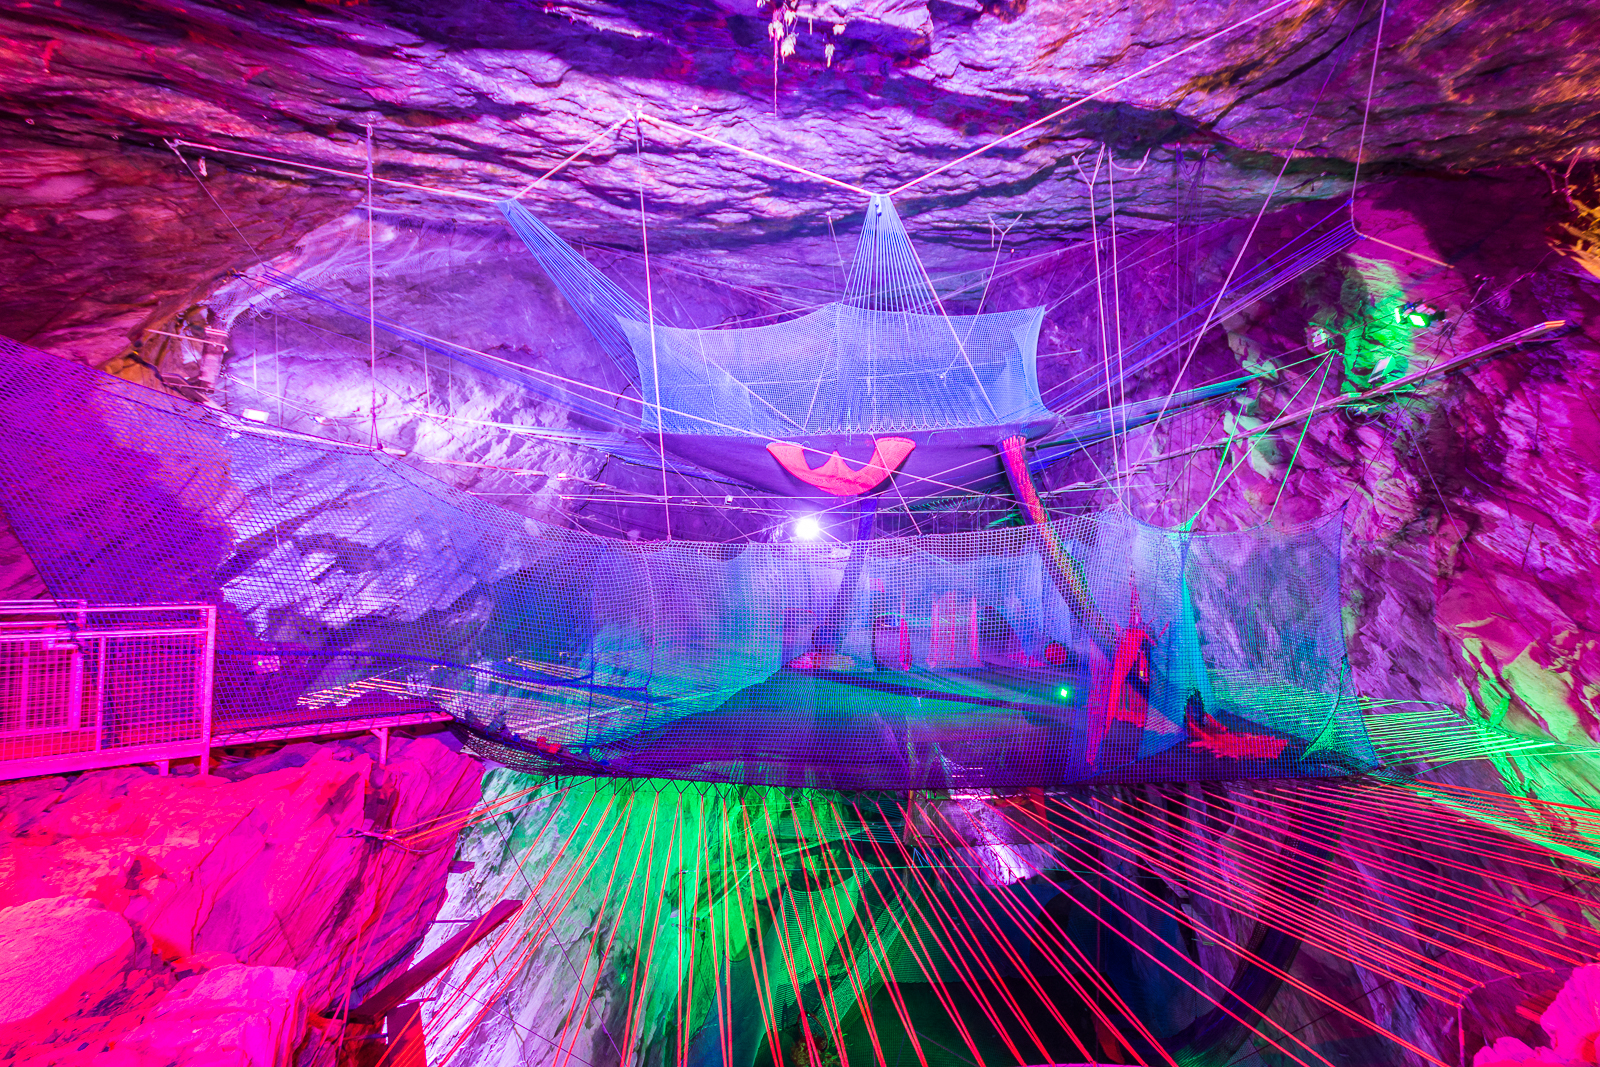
(84, 687)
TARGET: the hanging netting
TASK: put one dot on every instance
(885, 358)
(962, 660)
(842, 369)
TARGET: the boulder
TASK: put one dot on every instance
(1572, 1022)
(232, 1016)
(58, 956)
(1573, 1019)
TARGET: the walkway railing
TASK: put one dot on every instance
(86, 686)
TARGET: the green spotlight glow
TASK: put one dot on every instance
(1418, 319)
(1064, 693)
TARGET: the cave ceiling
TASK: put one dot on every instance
(109, 232)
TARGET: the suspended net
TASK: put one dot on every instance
(957, 661)
(884, 358)
(842, 370)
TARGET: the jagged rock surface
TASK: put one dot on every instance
(875, 93)
(1469, 506)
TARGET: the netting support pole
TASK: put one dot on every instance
(1065, 571)
(827, 638)
(372, 297)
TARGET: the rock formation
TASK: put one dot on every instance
(157, 158)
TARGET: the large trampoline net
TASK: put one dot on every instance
(842, 369)
(885, 357)
(966, 661)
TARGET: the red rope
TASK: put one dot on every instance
(599, 966)
(1087, 858)
(885, 964)
(635, 994)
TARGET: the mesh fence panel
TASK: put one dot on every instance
(344, 577)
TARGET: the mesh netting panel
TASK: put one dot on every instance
(842, 369)
(345, 576)
(884, 358)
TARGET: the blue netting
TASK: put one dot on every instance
(885, 358)
(893, 663)
(842, 369)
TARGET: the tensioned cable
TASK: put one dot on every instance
(1100, 302)
(1211, 315)
(355, 175)
(1092, 96)
(650, 310)
(1366, 111)
(1277, 269)
(174, 145)
(1315, 400)
(1532, 333)
(1251, 436)
(590, 143)
(774, 161)
(1116, 299)
(372, 298)
(763, 157)
(1361, 148)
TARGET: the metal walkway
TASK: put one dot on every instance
(86, 686)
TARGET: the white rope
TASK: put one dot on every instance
(1205, 324)
(1058, 112)
(1116, 306)
(1361, 142)
(340, 173)
(772, 160)
(650, 308)
(590, 143)
(1100, 294)
(1532, 333)
(665, 124)
(1400, 248)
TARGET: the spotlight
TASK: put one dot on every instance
(807, 528)
(1417, 315)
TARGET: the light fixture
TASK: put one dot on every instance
(1416, 314)
(807, 528)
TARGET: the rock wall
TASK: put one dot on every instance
(110, 236)
(180, 904)
(220, 919)
(1468, 501)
